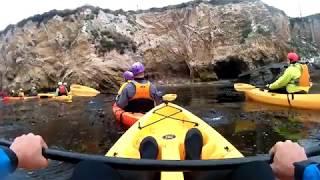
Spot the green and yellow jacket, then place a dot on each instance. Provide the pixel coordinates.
(290, 80)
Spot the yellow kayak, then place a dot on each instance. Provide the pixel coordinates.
(54, 97)
(79, 90)
(304, 101)
(168, 124)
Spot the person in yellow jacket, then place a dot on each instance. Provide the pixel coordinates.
(138, 95)
(295, 79)
(127, 76)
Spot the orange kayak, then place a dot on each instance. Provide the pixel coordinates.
(10, 98)
(125, 118)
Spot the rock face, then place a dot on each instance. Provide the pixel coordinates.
(210, 41)
(198, 41)
(306, 35)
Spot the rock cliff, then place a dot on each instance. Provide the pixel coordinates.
(195, 41)
(306, 35)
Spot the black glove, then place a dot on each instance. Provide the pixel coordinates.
(267, 87)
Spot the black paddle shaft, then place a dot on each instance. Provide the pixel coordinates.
(160, 165)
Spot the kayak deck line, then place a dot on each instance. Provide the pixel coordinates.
(167, 116)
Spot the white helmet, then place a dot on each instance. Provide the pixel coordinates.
(59, 83)
(65, 84)
(33, 87)
(20, 89)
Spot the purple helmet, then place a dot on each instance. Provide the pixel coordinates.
(137, 68)
(128, 75)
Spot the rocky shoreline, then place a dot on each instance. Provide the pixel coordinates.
(199, 41)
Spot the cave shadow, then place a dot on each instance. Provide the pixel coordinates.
(230, 68)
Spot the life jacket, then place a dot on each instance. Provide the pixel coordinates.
(62, 89)
(122, 87)
(142, 91)
(301, 83)
(304, 79)
(142, 101)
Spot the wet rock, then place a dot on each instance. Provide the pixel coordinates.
(263, 75)
(243, 115)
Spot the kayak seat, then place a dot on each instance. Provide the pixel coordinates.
(140, 105)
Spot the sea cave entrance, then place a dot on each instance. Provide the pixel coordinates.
(230, 68)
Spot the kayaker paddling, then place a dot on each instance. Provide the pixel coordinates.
(139, 95)
(66, 86)
(295, 79)
(21, 93)
(33, 91)
(61, 90)
(13, 93)
(301, 101)
(127, 76)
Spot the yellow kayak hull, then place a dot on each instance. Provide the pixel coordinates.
(79, 90)
(303, 101)
(52, 96)
(172, 121)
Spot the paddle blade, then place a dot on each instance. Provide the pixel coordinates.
(243, 87)
(45, 95)
(169, 97)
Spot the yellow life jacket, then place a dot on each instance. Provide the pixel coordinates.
(142, 91)
(122, 87)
